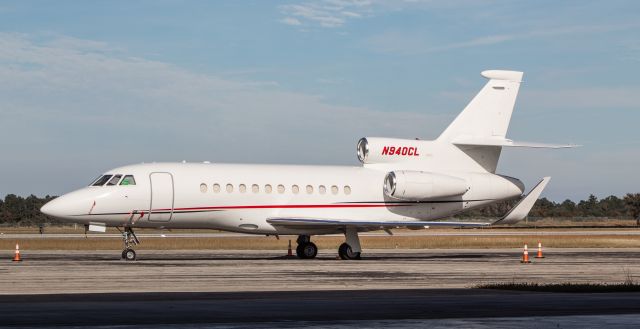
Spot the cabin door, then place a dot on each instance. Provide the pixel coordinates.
(162, 197)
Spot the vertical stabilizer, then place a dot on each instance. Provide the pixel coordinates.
(489, 113)
(487, 116)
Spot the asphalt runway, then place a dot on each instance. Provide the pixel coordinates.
(266, 288)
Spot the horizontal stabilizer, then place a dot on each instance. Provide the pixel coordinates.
(521, 210)
(326, 223)
(488, 141)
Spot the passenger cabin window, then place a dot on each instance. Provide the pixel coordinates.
(114, 180)
(267, 188)
(229, 188)
(309, 189)
(203, 188)
(128, 180)
(322, 189)
(280, 188)
(216, 188)
(295, 189)
(255, 188)
(347, 190)
(334, 190)
(102, 180)
(243, 188)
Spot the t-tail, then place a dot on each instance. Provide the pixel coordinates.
(480, 129)
(471, 143)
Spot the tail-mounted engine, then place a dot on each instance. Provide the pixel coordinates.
(420, 185)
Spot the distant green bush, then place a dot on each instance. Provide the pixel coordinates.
(18, 211)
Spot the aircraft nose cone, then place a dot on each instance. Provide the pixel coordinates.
(53, 208)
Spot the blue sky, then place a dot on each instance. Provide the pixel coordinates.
(90, 85)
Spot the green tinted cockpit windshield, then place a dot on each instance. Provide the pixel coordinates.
(128, 180)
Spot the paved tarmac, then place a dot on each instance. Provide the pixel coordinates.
(54, 272)
(235, 287)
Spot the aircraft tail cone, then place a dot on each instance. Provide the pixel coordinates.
(16, 258)
(539, 255)
(525, 255)
(289, 252)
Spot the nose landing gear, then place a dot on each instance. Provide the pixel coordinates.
(130, 239)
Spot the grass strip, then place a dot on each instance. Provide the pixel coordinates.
(329, 242)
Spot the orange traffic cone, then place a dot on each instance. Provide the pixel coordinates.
(16, 258)
(539, 255)
(525, 255)
(289, 253)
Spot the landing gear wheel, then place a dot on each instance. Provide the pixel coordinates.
(346, 253)
(129, 254)
(307, 250)
(124, 254)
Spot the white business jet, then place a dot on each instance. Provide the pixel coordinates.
(402, 183)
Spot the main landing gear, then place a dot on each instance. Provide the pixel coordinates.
(306, 249)
(351, 248)
(346, 252)
(130, 239)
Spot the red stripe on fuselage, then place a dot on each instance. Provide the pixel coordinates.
(288, 206)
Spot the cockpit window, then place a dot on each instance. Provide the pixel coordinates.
(114, 180)
(128, 180)
(95, 180)
(102, 180)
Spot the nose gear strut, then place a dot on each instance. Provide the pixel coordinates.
(130, 239)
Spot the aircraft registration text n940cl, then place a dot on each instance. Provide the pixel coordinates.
(400, 150)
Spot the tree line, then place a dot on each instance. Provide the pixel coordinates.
(20, 211)
(609, 207)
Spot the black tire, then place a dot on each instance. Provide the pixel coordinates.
(346, 253)
(310, 250)
(122, 256)
(299, 252)
(307, 250)
(130, 254)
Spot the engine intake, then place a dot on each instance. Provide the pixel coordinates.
(420, 185)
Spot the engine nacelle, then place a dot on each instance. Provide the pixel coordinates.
(420, 185)
(386, 150)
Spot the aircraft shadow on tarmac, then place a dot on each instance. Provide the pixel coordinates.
(379, 257)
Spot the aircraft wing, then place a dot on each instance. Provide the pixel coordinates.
(517, 213)
(299, 223)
